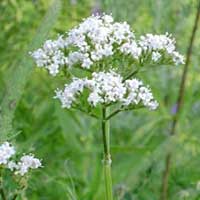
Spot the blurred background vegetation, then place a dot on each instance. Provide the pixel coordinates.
(69, 142)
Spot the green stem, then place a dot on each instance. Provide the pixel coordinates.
(107, 156)
(187, 62)
(165, 181)
(2, 193)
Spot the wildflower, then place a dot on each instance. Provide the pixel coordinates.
(27, 162)
(157, 42)
(156, 56)
(161, 44)
(178, 58)
(12, 165)
(139, 94)
(50, 56)
(6, 152)
(132, 49)
(71, 91)
(99, 37)
(106, 88)
(95, 45)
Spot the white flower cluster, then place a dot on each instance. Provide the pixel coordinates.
(138, 93)
(159, 44)
(68, 96)
(26, 163)
(6, 152)
(98, 37)
(106, 88)
(50, 55)
(22, 167)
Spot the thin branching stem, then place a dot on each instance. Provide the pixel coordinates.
(114, 113)
(131, 75)
(86, 112)
(141, 70)
(179, 103)
(85, 69)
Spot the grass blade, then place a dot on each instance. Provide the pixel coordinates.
(17, 77)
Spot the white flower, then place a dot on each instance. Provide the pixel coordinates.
(178, 58)
(92, 40)
(87, 63)
(156, 56)
(26, 163)
(137, 93)
(160, 45)
(74, 58)
(158, 42)
(153, 105)
(131, 48)
(93, 45)
(98, 37)
(122, 32)
(106, 88)
(6, 152)
(50, 56)
(12, 165)
(107, 19)
(94, 98)
(68, 96)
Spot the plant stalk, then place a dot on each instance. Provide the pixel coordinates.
(2, 193)
(107, 156)
(166, 173)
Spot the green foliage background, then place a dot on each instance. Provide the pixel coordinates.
(70, 142)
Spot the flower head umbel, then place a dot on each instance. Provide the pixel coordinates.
(109, 52)
(98, 39)
(160, 46)
(26, 162)
(15, 172)
(106, 88)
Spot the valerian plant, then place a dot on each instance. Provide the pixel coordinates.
(101, 57)
(15, 169)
